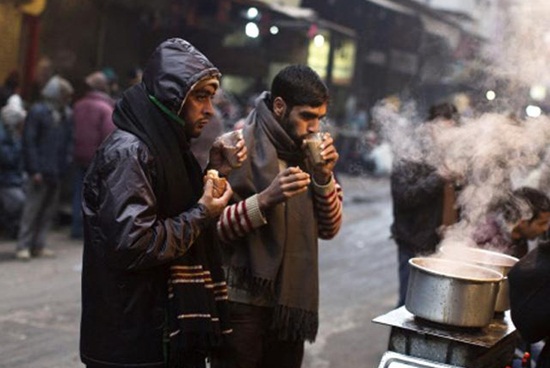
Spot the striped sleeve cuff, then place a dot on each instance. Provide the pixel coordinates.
(328, 207)
(324, 190)
(255, 215)
(240, 218)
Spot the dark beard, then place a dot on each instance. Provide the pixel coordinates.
(290, 129)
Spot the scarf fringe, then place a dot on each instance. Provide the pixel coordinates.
(295, 324)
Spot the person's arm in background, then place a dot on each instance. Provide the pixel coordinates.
(10, 155)
(106, 125)
(30, 141)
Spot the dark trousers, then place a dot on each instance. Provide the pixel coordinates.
(38, 215)
(253, 345)
(403, 256)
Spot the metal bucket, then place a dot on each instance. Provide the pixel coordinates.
(451, 292)
(499, 262)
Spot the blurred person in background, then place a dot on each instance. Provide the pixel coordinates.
(12, 195)
(445, 113)
(134, 76)
(513, 221)
(11, 87)
(112, 78)
(93, 122)
(424, 203)
(47, 140)
(284, 204)
(44, 70)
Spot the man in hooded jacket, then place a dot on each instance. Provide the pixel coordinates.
(153, 290)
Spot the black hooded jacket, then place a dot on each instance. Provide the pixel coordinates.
(140, 215)
(530, 297)
(417, 193)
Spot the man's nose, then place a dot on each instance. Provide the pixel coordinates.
(314, 126)
(208, 108)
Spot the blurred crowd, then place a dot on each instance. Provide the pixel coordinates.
(61, 124)
(47, 142)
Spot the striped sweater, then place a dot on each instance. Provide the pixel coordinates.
(241, 218)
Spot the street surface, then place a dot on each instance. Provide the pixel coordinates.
(40, 299)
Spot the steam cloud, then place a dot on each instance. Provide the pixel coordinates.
(494, 155)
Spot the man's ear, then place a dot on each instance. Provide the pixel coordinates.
(279, 107)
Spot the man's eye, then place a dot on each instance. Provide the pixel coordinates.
(203, 97)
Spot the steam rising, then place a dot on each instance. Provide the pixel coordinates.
(521, 47)
(490, 155)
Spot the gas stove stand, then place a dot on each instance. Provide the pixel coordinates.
(492, 346)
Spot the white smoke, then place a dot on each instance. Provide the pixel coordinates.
(520, 50)
(490, 155)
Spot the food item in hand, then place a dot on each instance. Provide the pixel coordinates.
(219, 184)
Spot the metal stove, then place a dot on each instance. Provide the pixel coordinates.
(415, 342)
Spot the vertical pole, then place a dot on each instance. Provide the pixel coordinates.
(32, 25)
(332, 45)
(101, 34)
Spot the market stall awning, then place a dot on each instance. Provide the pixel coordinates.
(388, 4)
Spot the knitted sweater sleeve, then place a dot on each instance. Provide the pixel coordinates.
(328, 207)
(241, 218)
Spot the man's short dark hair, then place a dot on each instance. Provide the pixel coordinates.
(299, 85)
(535, 199)
(507, 207)
(443, 110)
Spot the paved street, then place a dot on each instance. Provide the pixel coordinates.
(40, 300)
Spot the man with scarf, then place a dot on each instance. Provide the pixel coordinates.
(283, 204)
(153, 289)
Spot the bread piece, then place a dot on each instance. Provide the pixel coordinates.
(219, 184)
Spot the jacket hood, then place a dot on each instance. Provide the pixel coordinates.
(172, 70)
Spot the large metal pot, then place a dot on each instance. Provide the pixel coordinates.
(451, 292)
(496, 261)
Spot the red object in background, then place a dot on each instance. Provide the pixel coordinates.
(32, 28)
(312, 31)
(526, 361)
(224, 10)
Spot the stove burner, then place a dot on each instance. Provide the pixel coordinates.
(441, 326)
(486, 336)
(391, 359)
(492, 346)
